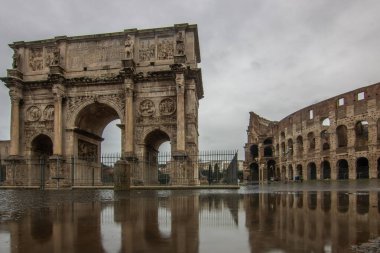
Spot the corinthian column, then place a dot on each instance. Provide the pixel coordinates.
(129, 119)
(58, 91)
(180, 85)
(15, 94)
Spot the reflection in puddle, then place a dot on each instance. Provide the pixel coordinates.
(189, 221)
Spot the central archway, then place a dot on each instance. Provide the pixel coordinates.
(92, 167)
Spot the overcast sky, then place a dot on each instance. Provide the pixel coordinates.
(270, 57)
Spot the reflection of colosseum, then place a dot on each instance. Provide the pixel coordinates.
(338, 138)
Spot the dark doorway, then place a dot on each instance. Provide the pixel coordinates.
(312, 171)
(362, 168)
(254, 169)
(326, 170)
(342, 169)
(271, 164)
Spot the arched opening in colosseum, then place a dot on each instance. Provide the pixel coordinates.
(282, 135)
(378, 168)
(277, 150)
(290, 148)
(254, 171)
(254, 149)
(299, 171)
(341, 134)
(325, 140)
(343, 202)
(362, 168)
(42, 147)
(268, 151)
(311, 140)
(300, 145)
(283, 151)
(278, 173)
(342, 166)
(290, 172)
(326, 122)
(283, 172)
(311, 171)
(268, 141)
(326, 170)
(271, 165)
(361, 134)
(362, 203)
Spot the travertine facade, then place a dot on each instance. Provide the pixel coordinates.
(64, 92)
(338, 138)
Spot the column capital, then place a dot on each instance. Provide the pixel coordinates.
(58, 90)
(15, 94)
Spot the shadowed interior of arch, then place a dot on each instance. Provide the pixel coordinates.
(42, 145)
(94, 118)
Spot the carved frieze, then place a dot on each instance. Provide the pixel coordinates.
(147, 49)
(36, 59)
(52, 56)
(169, 119)
(165, 48)
(147, 108)
(48, 113)
(33, 113)
(87, 149)
(75, 102)
(167, 106)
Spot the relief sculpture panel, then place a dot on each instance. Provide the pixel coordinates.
(48, 113)
(165, 48)
(36, 59)
(167, 106)
(87, 149)
(147, 49)
(33, 113)
(146, 108)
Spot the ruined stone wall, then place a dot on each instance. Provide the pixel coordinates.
(333, 139)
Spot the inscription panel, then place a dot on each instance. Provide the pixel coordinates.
(95, 53)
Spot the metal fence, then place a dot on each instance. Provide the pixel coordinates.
(207, 167)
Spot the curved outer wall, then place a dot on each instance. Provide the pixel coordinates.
(338, 138)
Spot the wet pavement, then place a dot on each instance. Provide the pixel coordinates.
(294, 217)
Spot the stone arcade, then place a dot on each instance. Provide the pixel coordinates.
(64, 92)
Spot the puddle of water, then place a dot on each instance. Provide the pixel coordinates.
(316, 217)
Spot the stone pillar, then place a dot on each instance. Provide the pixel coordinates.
(122, 175)
(180, 85)
(16, 95)
(58, 91)
(129, 119)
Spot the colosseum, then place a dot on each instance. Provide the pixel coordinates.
(338, 138)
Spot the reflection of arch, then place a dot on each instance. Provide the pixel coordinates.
(343, 202)
(326, 201)
(312, 200)
(254, 169)
(362, 202)
(326, 170)
(311, 171)
(283, 172)
(341, 134)
(362, 168)
(41, 225)
(342, 166)
(42, 146)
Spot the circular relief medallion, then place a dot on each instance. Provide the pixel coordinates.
(167, 106)
(48, 113)
(33, 113)
(146, 107)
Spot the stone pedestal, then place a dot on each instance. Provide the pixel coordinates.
(15, 171)
(122, 175)
(58, 176)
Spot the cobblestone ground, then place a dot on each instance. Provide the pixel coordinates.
(372, 246)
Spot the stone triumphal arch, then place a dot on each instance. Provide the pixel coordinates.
(64, 91)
